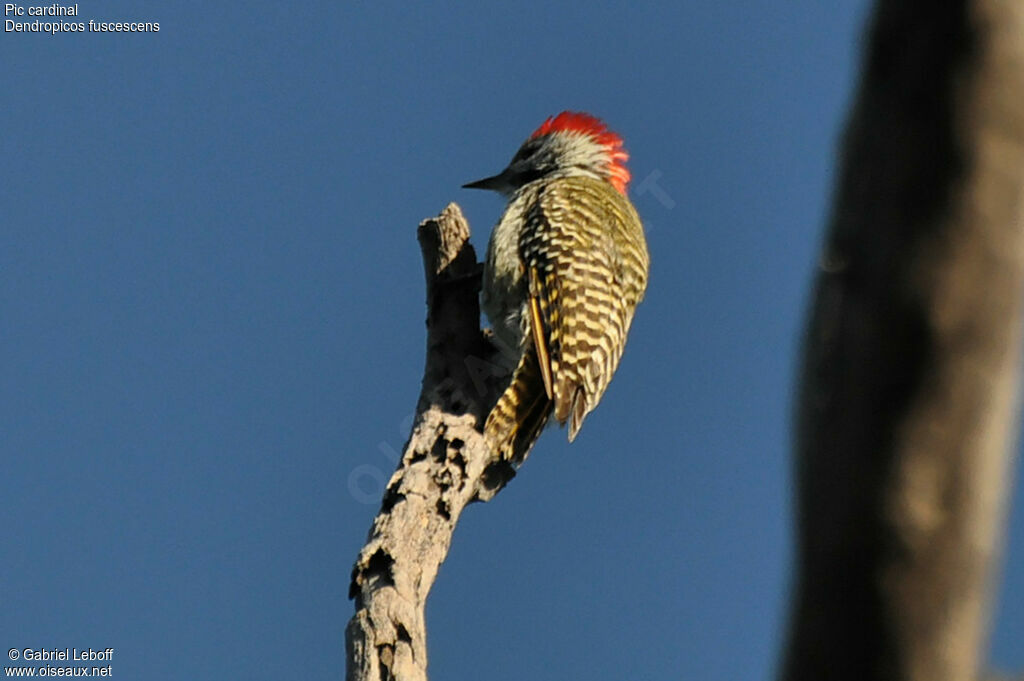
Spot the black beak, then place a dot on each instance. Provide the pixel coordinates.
(495, 183)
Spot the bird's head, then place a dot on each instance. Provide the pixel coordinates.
(569, 144)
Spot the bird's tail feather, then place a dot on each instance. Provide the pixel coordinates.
(522, 411)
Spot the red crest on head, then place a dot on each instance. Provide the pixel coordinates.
(584, 123)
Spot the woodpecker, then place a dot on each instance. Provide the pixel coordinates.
(566, 266)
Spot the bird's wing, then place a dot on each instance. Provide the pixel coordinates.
(586, 276)
(539, 329)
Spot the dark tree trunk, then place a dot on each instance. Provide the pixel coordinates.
(908, 402)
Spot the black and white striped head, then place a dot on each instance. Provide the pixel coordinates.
(569, 144)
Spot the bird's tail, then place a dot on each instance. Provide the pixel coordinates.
(521, 413)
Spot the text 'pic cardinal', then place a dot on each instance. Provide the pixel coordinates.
(566, 267)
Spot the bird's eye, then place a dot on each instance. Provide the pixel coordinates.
(526, 151)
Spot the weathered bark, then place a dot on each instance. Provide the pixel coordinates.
(908, 400)
(445, 466)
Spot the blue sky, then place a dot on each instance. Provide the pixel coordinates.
(213, 335)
